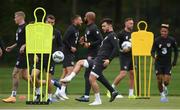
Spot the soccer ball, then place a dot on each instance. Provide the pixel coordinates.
(58, 56)
(126, 46)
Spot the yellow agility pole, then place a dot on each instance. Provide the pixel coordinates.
(39, 37)
(142, 42)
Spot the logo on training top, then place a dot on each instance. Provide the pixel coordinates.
(164, 51)
(125, 67)
(88, 32)
(72, 63)
(76, 40)
(52, 68)
(97, 32)
(127, 37)
(168, 44)
(17, 63)
(16, 36)
(19, 30)
(160, 45)
(77, 34)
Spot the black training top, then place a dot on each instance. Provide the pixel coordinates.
(1, 45)
(20, 35)
(71, 37)
(109, 47)
(57, 41)
(94, 36)
(162, 50)
(124, 36)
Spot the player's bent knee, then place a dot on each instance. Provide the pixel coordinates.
(94, 75)
(166, 83)
(85, 63)
(16, 71)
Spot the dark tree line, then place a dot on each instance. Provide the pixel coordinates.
(154, 12)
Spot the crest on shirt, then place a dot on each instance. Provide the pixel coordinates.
(127, 37)
(168, 44)
(16, 36)
(160, 45)
(76, 34)
(88, 32)
(52, 68)
(97, 32)
(72, 63)
(19, 30)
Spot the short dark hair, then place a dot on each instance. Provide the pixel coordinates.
(75, 17)
(107, 20)
(50, 16)
(127, 19)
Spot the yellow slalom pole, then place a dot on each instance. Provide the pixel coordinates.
(134, 72)
(47, 76)
(150, 73)
(34, 73)
(41, 75)
(144, 76)
(139, 75)
(27, 58)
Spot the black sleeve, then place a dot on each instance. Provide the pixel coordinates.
(1, 46)
(59, 41)
(154, 48)
(99, 38)
(66, 38)
(114, 42)
(120, 37)
(75, 40)
(175, 47)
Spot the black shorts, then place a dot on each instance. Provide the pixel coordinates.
(69, 59)
(90, 63)
(45, 65)
(126, 62)
(21, 61)
(163, 69)
(98, 67)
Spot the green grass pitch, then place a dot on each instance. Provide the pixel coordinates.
(76, 88)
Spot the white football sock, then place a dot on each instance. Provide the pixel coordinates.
(57, 90)
(113, 85)
(162, 94)
(131, 92)
(72, 75)
(13, 94)
(50, 96)
(97, 97)
(38, 91)
(63, 89)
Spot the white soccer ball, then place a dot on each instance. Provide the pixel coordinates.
(58, 56)
(126, 46)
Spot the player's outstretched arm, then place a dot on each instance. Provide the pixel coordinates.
(10, 48)
(1, 52)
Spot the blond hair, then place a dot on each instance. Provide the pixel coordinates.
(20, 13)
